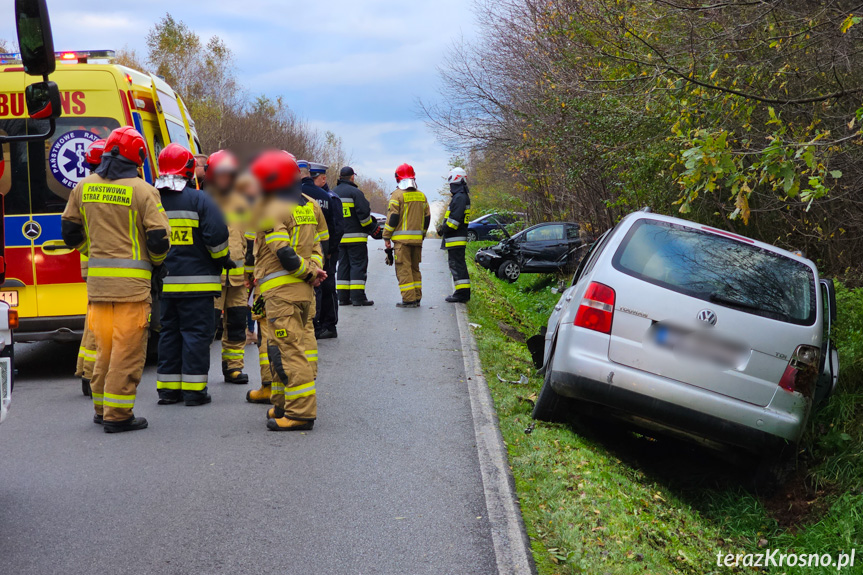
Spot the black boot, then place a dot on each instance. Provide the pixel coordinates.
(458, 298)
(97, 419)
(169, 398)
(131, 424)
(407, 304)
(329, 333)
(198, 399)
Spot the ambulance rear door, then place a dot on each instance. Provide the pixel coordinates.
(19, 289)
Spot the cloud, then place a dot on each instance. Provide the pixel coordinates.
(376, 149)
(353, 67)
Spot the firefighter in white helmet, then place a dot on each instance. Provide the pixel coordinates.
(453, 231)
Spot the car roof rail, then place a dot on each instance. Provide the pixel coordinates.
(647, 209)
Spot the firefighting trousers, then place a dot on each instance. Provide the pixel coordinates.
(234, 304)
(86, 353)
(410, 279)
(353, 272)
(293, 387)
(327, 309)
(184, 347)
(120, 331)
(458, 269)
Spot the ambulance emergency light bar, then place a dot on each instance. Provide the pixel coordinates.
(69, 57)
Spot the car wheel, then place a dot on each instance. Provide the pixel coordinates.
(509, 271)
(550, 405)
(471, 236)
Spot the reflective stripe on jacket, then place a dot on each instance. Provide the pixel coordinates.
(408, 217)
(125, 234)
(292, 228)
(199, 240)
(456, 218)
(357, 212)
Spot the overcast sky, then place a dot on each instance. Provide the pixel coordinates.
(355, 67)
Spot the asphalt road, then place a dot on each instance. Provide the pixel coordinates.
(387, 482)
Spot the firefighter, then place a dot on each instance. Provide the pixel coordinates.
(327, 305)
(87, 351)
(288, 266)
(232, 306)
(116, 219)
(453, 232)
(353, 248)
(408, 219)
(199, 253)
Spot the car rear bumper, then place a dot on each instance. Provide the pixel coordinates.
(659, 402)
(60, 329)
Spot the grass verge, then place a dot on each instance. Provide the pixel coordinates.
(598, 501)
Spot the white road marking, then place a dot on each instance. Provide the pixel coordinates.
(509, 537)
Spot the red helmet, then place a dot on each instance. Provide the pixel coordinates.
(275, 170)
(93, 155)
(127, 142)
(175, 160)
(405, 171)
(221, 162)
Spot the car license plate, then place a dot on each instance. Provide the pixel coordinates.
(10, 297)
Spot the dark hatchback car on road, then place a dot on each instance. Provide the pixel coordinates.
(483, 227)
(543, 248)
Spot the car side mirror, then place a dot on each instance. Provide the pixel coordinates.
(34, 37)
(43, 100)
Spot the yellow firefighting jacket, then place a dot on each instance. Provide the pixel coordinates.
(408, 217)
(236, 211)
(288, 247)
(126, 233)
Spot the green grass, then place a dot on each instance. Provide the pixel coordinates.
(598, 501)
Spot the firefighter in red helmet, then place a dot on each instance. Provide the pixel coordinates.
(117, 220)
(408, 219)
(199, 238)
(232, 306)
(289, 249)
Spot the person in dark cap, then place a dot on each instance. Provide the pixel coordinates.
(327, 306)
(353, 251)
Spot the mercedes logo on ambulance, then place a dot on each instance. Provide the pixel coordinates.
(32, 230)
(707, 316)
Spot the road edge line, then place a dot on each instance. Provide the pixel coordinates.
(509, 536)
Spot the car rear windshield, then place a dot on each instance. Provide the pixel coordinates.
(719, 270)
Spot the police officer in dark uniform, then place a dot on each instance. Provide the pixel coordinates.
(314, 185)
(353, 250)
(199, 253)
(453, 231)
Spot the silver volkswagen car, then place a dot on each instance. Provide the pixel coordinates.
(687, 330)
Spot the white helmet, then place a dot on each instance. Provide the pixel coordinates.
(456, 176)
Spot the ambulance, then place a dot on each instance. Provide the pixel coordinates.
(43, 280)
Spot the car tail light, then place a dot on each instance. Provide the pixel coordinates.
(13, 319)
(597, 308)
(801, 374)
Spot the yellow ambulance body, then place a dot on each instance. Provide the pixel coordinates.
(43, 278)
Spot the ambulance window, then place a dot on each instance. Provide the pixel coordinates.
(49, 170)
(199, 146)
(178, 135)
(169, 104)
